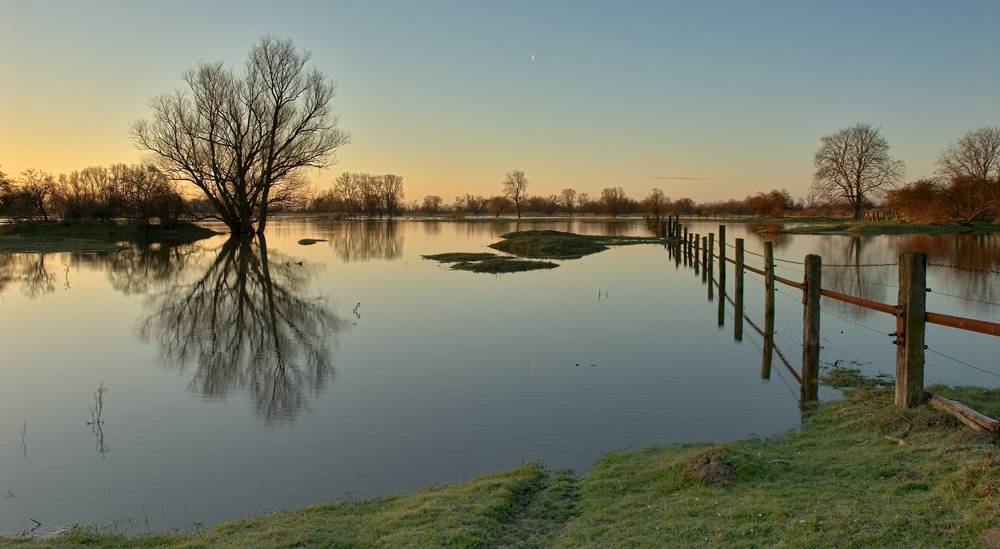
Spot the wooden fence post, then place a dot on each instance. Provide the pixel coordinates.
(910, 327)
(710, 252)
(765, 368)
(769, 278)
(738, 314)
(810, 327)
(722, 275)
(704, 258)
(696, 252)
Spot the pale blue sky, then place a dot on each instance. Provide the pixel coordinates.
(707, 100)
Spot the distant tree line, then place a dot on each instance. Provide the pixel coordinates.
(966, 187)
(135, 193)
(355, 194)
(854, 174)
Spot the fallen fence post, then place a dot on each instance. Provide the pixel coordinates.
(910, 328)
(968, 416)
(810, 327)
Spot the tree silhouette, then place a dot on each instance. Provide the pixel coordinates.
(244, 325)
(244, 139)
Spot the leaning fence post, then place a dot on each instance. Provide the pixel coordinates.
(810, 327)
(910, 326)
(738, 314)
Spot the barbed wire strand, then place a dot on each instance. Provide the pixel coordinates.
(963, 363)
(969, 269)
(840, 265)
(966, 298)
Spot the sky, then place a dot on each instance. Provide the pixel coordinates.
(705, 100)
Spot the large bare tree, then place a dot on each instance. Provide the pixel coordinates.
(243, 138)
(515, 187)
(974, 155)
(853, 166)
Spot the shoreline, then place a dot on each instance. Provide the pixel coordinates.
(843, 478)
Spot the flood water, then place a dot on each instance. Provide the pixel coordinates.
(178, 387)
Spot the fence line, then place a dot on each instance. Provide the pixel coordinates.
(910, 312)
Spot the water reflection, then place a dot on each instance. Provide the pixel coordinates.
(362, 240)
(245, 325)
(32, 272)
(144, 266)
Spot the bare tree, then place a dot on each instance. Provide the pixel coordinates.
(6, 190)
(392, 192)
(371, 198)
(515, 187)
(31, 194)
(613, 199)
(432, 203)
(473, 204)
(976, 154)
(239, 138)
(586, 205)
(853, 166)
(499, 204)
(656, 203)
(923, 200)
(346, 186)
(971, 198)
(568, 199)
(772, 204)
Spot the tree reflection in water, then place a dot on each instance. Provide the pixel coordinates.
(245, 325)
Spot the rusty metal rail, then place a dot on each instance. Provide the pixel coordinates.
(961, 323)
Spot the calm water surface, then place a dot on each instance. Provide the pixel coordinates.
(248, 376)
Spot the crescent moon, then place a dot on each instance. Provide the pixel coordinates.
(532, 57)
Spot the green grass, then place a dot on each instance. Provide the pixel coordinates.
(838, 482)
(562, 245)
(503, 265)
(90, 236)
(876, 228)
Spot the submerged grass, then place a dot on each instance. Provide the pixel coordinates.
(503, 265)
(836, 483)
(460, 257)
(562, 245)
(485, 262)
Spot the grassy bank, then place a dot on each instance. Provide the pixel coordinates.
(876, 228)
(839, 482)
(90, 236)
